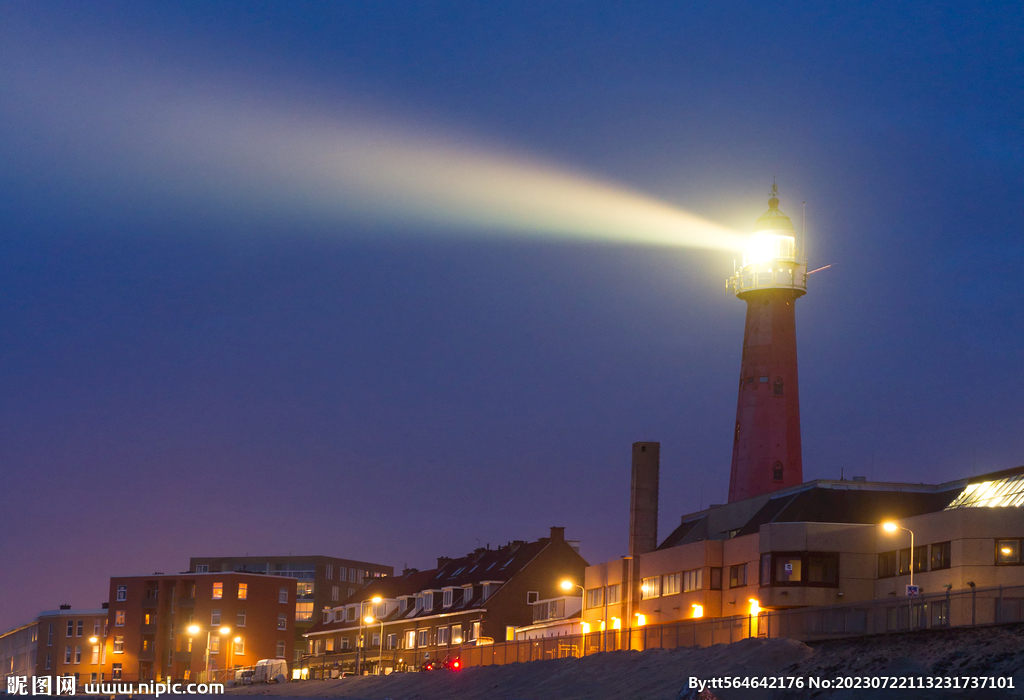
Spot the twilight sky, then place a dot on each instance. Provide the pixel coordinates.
(395, 280)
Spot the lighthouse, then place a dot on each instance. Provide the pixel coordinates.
(766, 454)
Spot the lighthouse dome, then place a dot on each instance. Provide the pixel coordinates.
(773, 219)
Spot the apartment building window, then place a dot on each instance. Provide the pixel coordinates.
(693, 579)
(304, 590)
(202, 568)
(341, 574)
(282, 595)
(1008, 552)
(737, 575)
(489, 589)
(279, 652)
(67, 655)
(467, 595)
(650, 587)
(887, 564)
(614, 593)
(344, 643)
(71, 628)
(95, 654)
(359, 576)
(329, 644)
(96, 627)
(215, 616)
(243, 591)
(410, 639)
(115, 672)
(335, 593)
(474, 631)
(49, 636)
(282, 622)
(304, 610)
(122, 593)
(595, 597)
(423, 638)
(215, 644)
(239, 646)
(442, 635)
(81, 624)
(78, 654)
(329, 574)
(351, 592)
(392, 640)
(118, 619)
(240, 618)
(672, 584)
(447, 596)
(218, 590)
(375, 640)
(716, 578)
(118, 645)
(49, 662)
(802, 569)
(940, 556)
(352, 575)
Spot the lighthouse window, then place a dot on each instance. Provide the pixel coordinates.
(777, 388)
(777, 471)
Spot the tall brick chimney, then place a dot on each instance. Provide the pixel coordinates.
(643, 498)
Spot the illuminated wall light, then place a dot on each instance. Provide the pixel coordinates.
(698, 610)
(755, 606)
(616, 623)
(585, 626)
(641, 620)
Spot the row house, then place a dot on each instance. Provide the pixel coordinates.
(197, 626)
(423, 617)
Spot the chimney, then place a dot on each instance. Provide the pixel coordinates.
(442, 562)
(65, 607)
(106, 606)
(558, 534)
(643, 498)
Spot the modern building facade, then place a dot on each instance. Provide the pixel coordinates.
(817, 544)
(766, 453)
(195, 626)
(323, 582)
(477, 599)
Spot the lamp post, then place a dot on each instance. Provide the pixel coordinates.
(567, 586)
(893, 527)
(99, 673)
(359, 639)
(193, 630)
(369, 620)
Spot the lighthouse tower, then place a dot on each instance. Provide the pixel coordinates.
(766, 453)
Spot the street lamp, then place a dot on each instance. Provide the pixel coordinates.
(359, 655)
(567, 586)
(891, 527)
(99, 673)
(380, 660)
(193, 630)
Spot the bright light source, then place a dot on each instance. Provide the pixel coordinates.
(1004, 550)
(225, 631)
(890, 527)
(458, 640)
(643, 588)
(764, 247)
(698, 610)
(567, 585)
(238, 639)
(368, 620)
(193, 629)
(585, 627)
(755, 606)
(376, 599)
(641, 620)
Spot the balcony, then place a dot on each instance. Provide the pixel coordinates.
(147, 655)
(148, 603)
(186, 602)
(183, 657)
(148, 629)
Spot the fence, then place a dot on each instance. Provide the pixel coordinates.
(966, 608)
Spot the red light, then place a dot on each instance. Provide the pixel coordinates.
(455, 664)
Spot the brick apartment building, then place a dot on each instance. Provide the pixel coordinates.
(150, 616)
(323, 582)
(61, 642)
(476, 599)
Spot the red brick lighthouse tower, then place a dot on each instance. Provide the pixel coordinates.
(766, 452)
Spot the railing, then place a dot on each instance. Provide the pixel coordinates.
(965, 608)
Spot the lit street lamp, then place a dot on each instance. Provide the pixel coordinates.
(380, 661)
(893, 527)
(567, 586)
(359, 640)
(193, 630)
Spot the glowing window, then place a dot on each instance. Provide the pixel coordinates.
(992, 494)
(304, 610)
(243, 591)
(1007, 551)
(650, 587)
(218, 590)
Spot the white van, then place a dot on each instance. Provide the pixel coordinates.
(269, 669)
